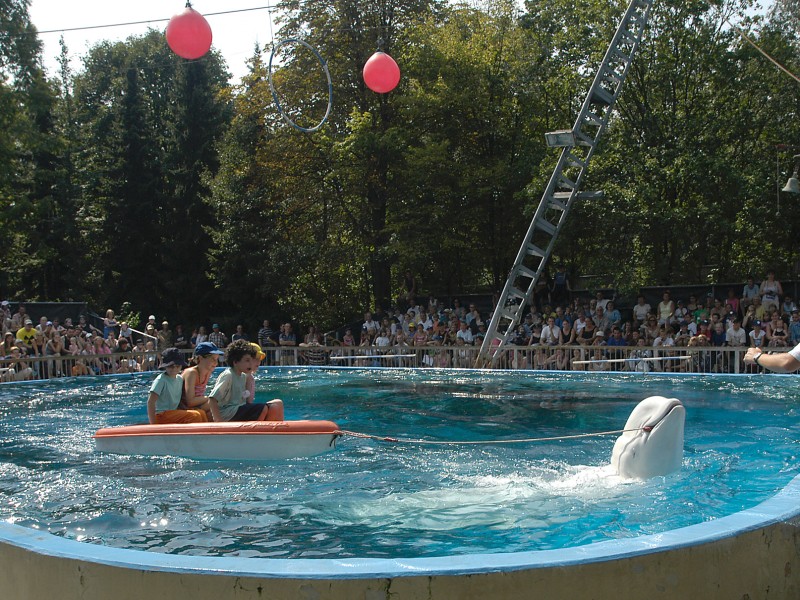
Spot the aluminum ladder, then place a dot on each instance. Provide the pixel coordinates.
(578, 145)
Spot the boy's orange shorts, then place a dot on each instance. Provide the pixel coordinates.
(181, 416)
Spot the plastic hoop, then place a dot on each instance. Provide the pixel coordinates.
(275, 94)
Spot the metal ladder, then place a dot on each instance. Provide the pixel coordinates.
(562, 191)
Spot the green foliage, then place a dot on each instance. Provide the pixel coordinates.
(145, 179)
(147, 122)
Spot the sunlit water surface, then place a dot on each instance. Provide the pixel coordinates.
(378, 499)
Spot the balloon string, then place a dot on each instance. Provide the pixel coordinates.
(379, 438)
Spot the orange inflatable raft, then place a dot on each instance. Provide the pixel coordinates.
(240, 440)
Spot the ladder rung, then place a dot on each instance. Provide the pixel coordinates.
(516, 293)
(622, 55)
(562, 195)
(575, 161)
(602, 96)
(612, 76)
(583, 139)
(596, 119)
(509, 312)
(534, 250)
(563, 181)
(524, 271)
(637, 18)
(546, 226)
(557, 204)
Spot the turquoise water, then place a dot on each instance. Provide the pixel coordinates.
(377, 499)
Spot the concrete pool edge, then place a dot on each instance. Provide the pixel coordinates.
(783, 507)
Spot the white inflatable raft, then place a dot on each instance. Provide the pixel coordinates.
(241, 440)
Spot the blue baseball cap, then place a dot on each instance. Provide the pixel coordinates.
(206, 348)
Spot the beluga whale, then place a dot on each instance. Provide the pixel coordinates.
(652, 444)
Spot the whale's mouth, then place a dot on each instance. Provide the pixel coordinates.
(655, 420)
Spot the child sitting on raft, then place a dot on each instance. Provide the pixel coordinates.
(195, 379)
(165, 393)
(230, 395)
(275, 406)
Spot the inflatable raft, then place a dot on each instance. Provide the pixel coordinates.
(241, 440)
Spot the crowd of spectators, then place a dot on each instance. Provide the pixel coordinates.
(50, 348)
(761, 314)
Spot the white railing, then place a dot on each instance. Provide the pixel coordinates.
(639, 359)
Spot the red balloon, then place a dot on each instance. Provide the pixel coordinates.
(381, 73)
(189, 34)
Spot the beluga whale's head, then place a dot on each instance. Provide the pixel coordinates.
(654, 444)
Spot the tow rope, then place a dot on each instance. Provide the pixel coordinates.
(395, 440)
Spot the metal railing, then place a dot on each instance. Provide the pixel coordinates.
(642, 359)
(637, 359)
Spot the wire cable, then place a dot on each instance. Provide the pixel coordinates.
(160, 20)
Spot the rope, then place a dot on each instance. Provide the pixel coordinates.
(767, 56)
(379, 438)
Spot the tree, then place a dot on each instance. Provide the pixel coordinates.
(34, 223)
(677, 165)
(148, 122)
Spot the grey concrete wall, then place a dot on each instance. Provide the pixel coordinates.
(759, 564)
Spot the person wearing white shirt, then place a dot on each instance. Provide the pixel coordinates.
(640, 310)
(551, 333)
(736, 335)
(464, 333)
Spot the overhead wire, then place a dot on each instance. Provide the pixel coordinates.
(269, 7)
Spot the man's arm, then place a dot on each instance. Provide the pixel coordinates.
(781, 362)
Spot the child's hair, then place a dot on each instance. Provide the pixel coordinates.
(237, 350)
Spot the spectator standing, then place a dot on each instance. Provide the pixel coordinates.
(287, 339)
(109, 323)
(771, 291)
(749, 291)
(369, 327)
(200, 337)
(410, 286)
(240, 334)
(561, 290)
(19, 318)
(266, 335)
(5, 316)
(164, 336)
(640, 311)
(216, 337)
(181, 339)
(666, 309)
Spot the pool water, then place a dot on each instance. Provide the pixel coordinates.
(378, 499)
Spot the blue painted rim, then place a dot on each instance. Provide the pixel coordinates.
(782, 507)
